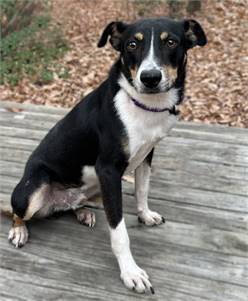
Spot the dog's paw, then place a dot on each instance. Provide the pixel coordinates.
(18, 236)
(150, 218)
(86, 217)
(137, 280)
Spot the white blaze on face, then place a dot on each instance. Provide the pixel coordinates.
(149, 63)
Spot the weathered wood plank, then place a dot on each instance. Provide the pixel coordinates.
(196, 131)
(170, 263)
(22, 144)
(218, 133)
(8, 183)
(173, 211)
(230, 171)
(7, 154)
(202, 236)
(188, 145)
(191, 214)
(166, 157)
(171, 181)
(198, 174)
(198, 197)
(199, 182)
(8, 131)
(170, 147)
(40, 288)
(173, 207)
(221, 153)
(11, 168)
(184, 129)
(184, 195)
(30, 116)
(26, 123)
(177, 209)
(33, 108)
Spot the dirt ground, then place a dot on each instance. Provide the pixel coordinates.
(217, 81)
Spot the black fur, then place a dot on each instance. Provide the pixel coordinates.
(92, 133)
(149, 157)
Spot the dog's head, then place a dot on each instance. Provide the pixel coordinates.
(153, 51)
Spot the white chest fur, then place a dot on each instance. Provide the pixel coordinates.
(144, 129)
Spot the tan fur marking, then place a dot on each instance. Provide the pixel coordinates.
(133, 72)
(163, 35)
(17, 221)
(139, 36)
(36, 201)
(171, 72)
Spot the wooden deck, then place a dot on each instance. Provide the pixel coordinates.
(199, 182)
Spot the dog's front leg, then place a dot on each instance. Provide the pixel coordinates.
(142, 181)
(131, 274)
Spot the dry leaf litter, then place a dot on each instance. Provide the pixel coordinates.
(217, 81)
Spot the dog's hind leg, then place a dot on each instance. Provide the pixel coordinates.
(85, 217)
(93, 199)
(91, 190)
(40, 202)
(27, 199)
(18, 234)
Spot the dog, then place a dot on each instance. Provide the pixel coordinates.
(111, 132)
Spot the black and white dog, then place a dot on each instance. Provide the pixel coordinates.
(112, 131)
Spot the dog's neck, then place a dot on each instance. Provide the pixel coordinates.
(142, 106)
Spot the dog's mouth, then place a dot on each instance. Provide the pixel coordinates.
(165, 85)
(164, 88)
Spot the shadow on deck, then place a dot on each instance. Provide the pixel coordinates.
(199, 182)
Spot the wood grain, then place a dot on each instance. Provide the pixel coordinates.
(199, 182)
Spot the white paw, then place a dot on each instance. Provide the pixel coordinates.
(137, 279)
(150, 218)
(18, 236)
(86, 217)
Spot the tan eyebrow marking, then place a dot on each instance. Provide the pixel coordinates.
(139, 36)
(163, 35)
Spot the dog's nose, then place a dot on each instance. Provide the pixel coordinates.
(151, 78)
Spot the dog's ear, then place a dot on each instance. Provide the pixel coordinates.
(194, 34)
(114, 30)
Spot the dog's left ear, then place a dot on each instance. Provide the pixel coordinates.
(114, 30)
(194, 34)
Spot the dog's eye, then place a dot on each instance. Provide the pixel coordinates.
(131, 45)
(171, 43)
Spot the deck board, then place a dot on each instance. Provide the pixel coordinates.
(199, 182)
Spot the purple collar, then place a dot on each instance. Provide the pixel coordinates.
(155, 110)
